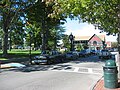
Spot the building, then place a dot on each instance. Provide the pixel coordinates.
(95, 42)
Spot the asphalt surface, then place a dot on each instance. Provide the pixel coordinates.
(80, 74)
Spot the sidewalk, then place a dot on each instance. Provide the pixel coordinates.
(100, 85)
(11, 63)
(3, 66)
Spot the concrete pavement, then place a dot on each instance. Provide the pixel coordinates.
(11, 65)
(86, 77)
(46, 80)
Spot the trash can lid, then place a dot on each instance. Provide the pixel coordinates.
(110, 63)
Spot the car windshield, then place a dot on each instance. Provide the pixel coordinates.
(104, 50)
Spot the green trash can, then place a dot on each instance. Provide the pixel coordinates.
(110, 74)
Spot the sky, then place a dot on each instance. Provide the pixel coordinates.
(84, 29)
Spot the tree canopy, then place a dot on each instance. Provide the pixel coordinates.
(10, 11)
(103, 14)
(46, 15)
(16, 14)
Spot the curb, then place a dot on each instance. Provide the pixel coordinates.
(11, 65)
(5, 66)
(94, 85)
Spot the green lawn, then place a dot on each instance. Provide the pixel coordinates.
(3, 59)
(18, 53)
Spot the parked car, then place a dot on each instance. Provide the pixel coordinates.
(71, 55)
(88, 51)
(76, 52)
(105, 54)
(94, 52)
(48, 57)
(83, 53)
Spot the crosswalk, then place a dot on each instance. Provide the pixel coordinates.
(67, 67)
(77, 70)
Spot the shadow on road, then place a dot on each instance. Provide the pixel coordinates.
(60, 66)
(32, 68)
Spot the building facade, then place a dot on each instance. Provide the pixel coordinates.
(95, 42)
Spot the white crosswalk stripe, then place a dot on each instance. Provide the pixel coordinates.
(78, 70)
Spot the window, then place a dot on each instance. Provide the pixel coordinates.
(94, 42)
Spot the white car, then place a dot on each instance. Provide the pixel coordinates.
(105, 54)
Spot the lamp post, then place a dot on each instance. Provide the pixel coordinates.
(71, 37)
(104, 45)
(30, 59)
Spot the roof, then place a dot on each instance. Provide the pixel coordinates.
(102, 37)
(82, 37)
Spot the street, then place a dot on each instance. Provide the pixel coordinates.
(81, 74)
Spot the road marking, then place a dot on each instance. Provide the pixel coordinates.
(76, 69)
(77, 72)
(90, 70)
(83, 70)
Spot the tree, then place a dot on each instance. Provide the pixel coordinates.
(17, 33)
(104, 15)
(79, 47)
(50, 27)
(56, 34)
(66, 41)
(114, 44)
(35, 33)
(1, 35)
(9, 12)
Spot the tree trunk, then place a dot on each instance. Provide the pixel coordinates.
(47, 35)
(5, 36)
(44, 29)
(43, 35)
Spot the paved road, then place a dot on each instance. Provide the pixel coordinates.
(80, 74)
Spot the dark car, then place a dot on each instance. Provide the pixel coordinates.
(48, 57)
(71, 55)
(83, 53)
(94, 52)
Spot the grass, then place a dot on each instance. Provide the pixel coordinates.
(3, 59)
(18, 53)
